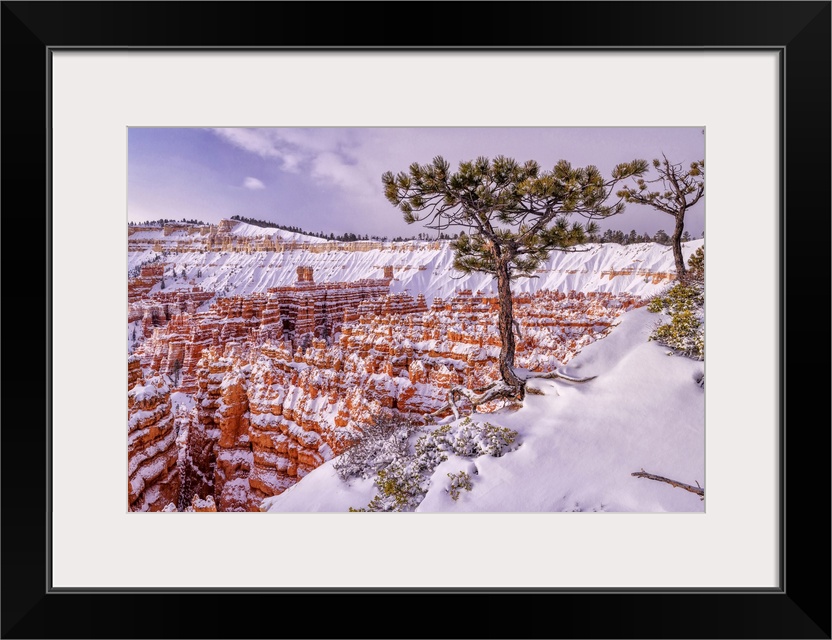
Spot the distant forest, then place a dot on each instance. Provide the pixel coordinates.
(344, 237)
(619, 237)
(609, 236)
(163, 221)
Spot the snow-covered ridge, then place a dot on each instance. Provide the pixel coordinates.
(426, 267)
(178, 231)
(245, 230)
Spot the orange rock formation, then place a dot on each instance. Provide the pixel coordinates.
(282, 381)
(153, 477)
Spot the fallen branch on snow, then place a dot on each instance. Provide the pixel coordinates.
(697, 489)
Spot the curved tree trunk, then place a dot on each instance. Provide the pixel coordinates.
(677, 245)
(505, 323)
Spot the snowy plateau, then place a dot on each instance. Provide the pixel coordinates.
(271, 371)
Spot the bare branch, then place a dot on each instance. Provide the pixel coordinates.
(680, 485)
(517, 328)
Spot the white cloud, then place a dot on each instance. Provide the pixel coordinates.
(253, 183)
(292, 148)
(328, 156)
(265, 143)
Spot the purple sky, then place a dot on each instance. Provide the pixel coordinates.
(329, 179)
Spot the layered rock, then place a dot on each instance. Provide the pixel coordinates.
(156, 309)
(655, 277)
(140, 286)
(153, 477)
(269, 411)
(174, 343)
(224, 237)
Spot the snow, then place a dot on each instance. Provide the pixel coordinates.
(185, 400)
(245, 230)
(240, 229)
(578, 443)
(153, 389)
(323, 491)
(418, 267)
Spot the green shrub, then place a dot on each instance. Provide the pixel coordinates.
(380, 442)
(696, 265)
(401, 487)
(402, 484)
(469, 439)
(682, 307)
(459, 481)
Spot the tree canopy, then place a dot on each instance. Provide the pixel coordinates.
(513, 215)
(517, 213)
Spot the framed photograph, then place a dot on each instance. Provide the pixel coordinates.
(194, 163)
(323, 369)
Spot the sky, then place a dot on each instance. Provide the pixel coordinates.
(329, 179)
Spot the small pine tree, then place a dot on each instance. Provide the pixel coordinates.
(696, 265)
(680, 190)
(177, 368)
(683, 307)
(163, 283)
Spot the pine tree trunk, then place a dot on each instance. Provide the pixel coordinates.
(506, 325)
(677, 245)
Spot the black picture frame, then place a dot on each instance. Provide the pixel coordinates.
(798, 608)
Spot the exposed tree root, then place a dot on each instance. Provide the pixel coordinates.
(493, 391)
(697, 489)
(558, 375)
(498, 390)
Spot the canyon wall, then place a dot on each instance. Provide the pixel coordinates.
(263, 356)
(152, 456)
(242, 259)
(271, 404)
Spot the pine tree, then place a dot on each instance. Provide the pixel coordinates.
(175, 371)
(661, 237)
(680, 190)
(514, 215)
(696, 265)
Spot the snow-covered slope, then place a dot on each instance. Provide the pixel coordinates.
(640, 269)
(245, 230)
(182, 231)
(579, 443)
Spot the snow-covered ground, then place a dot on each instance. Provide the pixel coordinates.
(245, 230)
(578, 443)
